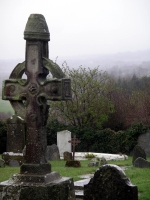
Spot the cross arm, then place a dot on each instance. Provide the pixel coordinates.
(56, 90)
(13, 89)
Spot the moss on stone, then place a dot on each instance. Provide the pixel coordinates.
(73, 163)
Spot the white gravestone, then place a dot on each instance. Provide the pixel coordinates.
(62, 141)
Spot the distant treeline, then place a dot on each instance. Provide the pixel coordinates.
(127, 70)
(131, 100)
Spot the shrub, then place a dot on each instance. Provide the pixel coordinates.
(90, 155)
(3, 136)
(52, 128)
(109, 141)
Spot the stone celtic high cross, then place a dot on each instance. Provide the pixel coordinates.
(29, 96)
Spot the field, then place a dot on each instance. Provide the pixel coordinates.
(5, 106)
(138, 177)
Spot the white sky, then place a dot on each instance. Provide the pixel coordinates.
(77, 27)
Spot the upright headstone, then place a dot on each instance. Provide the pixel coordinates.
(15, 134)
(138, 152)
(15, 139)
(103, 161)
(2, 163)
(62, 141)
(52, 152)
(144, 142)
(13, 163)
(110, 182)
(35, 177)
(141, 163)
(67, 156)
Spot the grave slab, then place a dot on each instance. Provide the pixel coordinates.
(81, 156)
(7, 156)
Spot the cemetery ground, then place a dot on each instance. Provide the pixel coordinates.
(138, 176)
(5, 106)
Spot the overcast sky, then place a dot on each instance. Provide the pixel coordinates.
(77, 27)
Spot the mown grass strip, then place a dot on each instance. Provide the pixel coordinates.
(137, 176)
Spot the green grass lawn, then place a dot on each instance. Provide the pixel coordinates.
(137, 176)
(5, 106)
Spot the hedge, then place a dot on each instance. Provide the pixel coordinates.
(104, 141)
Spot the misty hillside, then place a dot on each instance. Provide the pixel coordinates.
(120, 64)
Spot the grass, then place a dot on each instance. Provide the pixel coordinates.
(59, 166)
(139, 177)
(5, 106)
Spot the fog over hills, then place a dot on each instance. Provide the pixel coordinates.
(107, 61)
(119, 64)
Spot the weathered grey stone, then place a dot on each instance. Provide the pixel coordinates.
(2, 163)
(15, 134)
(13, 163)
(67, 156)
(7, 156)
(144, 142)
(103, 161)
(62, 189)
(52, 152)
(36, 89)
(138, 152)
(73, 163)
(141, 163)
(110, 182)
(93, 164)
